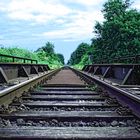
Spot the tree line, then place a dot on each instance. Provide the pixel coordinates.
(117, 36)
(44, 55)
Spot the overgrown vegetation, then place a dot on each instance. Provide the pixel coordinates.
(44, 55)
(47, 55)
(80, 56)
(117, 36)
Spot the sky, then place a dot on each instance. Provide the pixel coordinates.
(30, 24)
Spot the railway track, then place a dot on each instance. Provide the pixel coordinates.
(68, 106)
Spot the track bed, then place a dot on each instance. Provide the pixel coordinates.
(66, 107)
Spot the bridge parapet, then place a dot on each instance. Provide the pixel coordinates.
(11, 71)
(123, 74)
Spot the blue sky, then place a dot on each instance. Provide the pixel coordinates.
(66, 23)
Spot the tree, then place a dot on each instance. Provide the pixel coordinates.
(115, 8)
(48, 48)
(47, 55)
(61, 58)
(119, 35)
(77, 55)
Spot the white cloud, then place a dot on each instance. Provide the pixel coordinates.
(21, 16)
(38, 6)
(71, 23)
(80, 26)
(136, 4)
(2, 6)
(36, 10)
(67, 34)
(86, 2)
(1, 37)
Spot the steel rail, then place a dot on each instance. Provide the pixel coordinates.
(124, 97)
(8, 94)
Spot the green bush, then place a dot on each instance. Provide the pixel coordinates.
(40, 55)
